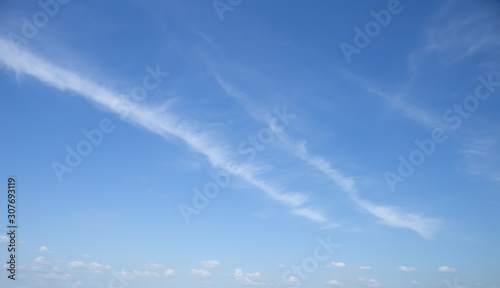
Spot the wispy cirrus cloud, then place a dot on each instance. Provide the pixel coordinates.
(389, 215)
(481, 157)
(398, 101)
(468, 32)
(310, 214)
(156, 120)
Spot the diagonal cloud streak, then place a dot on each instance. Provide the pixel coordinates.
(156, 120)
(388, 215)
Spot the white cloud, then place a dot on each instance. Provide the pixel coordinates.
(39, 264)
(334, 283)
(472, 30)
(397, 101)
(210, 264)
(311, 214)
(446, 269)
(481, 157)
(291, 281)
(86, 256)
(252, 279)
(365, 268)
(200, 273)
(389, 215)
(77, 264)
(406, 269)
(4, 239)
(157, 120)
(77, 284)
(169, 273)
(336, 264)
(282, 266)
(415, 282)
(97, 266)
(154, 266)
(392, 216)
(369, 283)
(44, 249)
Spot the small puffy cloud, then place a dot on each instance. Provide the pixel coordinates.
(77, 264)
(415, 282)
(282, 266)
(209, 264)
(41, 261)
(86, 256)
(97, 266)
(336, 264)
(406, 269)
(373, 283)
(365, 268)
(145, 274)
(200, 273)
(154, 266)
(39, 264)
(446, 269)
(369, 283)
(334, 283)
(291, 281)
(253, 279)
(169, 273)
(44, 249)
(4, 239)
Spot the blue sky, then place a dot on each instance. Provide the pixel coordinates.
(252, 143)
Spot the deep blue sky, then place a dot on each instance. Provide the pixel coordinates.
(289, 137)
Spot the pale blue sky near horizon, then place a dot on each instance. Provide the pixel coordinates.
(311, 134)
